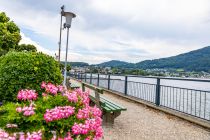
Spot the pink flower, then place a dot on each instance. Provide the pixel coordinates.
(27, 111)
(72, 97)
(83, 113)
(50, 88)
(96, 111)
(19, 109)
(60, 88)
(99, 133)
(43, 85)
(58, 113)
(44, 94)
(27, 95)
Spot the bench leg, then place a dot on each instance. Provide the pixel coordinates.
(108, 117)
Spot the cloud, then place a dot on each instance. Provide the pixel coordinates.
(105, 30)
(27, 40)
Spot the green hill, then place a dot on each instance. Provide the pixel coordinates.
(116, 63)
(76, 64)
(197, 60)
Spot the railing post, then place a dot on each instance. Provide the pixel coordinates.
(157, 99)
(91, 78)
(78, 76)
(85, 77)
(109, 82)
(126, 85)
(81, 77)
(98, 80)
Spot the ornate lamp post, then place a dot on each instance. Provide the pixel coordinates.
(67, 25)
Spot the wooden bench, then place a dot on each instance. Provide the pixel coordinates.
(74, 86)
(71, 86)
(110, 109)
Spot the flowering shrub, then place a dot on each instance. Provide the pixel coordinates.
(52, 114)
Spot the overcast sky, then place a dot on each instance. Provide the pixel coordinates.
(127, 30)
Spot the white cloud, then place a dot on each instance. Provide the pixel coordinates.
(27, 40)
(144, 29)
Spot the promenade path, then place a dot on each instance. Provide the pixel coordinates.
(143, 123)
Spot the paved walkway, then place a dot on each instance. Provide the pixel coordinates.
(142, 123)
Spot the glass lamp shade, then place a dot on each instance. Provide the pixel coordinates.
(69, 17)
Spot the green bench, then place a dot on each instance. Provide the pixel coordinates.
(74, 86)
(71, 86)
(110, 109)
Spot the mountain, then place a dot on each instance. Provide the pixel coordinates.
(197, 60)
(116, 63)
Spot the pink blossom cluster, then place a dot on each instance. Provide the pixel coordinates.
(21, 136)
(60, 88)
(5, 136)
(72, 97)
(83, 113)
(67, 137)
(27, 111)
(31, 136)
(89, 112)
(84, 96)
(95, 111)
(58, 113)
(27, 95)
(50, 88)
(90, 125)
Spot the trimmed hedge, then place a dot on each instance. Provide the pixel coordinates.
(21, 70)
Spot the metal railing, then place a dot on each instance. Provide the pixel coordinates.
(189, 96)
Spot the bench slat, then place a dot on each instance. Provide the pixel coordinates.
(111, 106)
(105, 105)
(114, 104)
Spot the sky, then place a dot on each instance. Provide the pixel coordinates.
(104, 30)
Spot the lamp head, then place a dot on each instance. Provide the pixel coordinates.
(69, 16)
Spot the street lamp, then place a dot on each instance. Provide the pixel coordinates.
(67, 25)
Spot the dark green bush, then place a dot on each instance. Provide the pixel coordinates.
(21, 70)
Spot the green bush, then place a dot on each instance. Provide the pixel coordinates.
(20, 70)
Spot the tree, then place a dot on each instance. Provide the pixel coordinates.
(25, 47)
(62, 66)
(9, 34)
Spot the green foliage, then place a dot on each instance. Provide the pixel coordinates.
(9, 34)
(62, 66)
(25, 47)
(20, 70)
